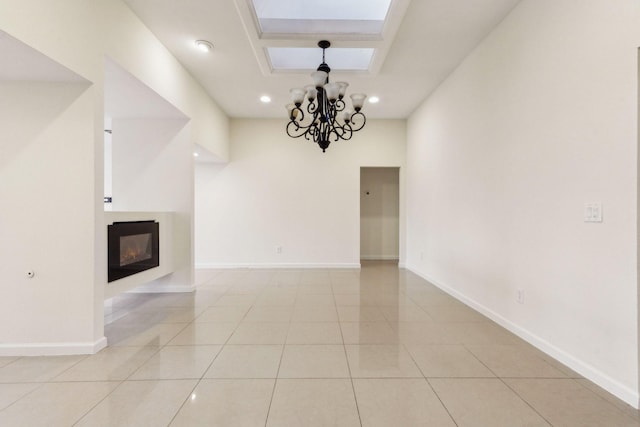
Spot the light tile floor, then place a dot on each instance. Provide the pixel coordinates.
(371, 347)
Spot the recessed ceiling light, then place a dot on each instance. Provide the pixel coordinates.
(374, 99)
(195, 154)
(203, 45)
(265, 99)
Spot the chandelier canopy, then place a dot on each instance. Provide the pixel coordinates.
(325, 118)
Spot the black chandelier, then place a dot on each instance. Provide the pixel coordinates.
(321, 123)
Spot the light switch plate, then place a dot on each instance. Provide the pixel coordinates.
(593, 212)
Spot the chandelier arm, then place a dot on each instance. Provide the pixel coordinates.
(336, 135)
(333, 125)
(348, 131)
(312, 108)
(294, 130)
(299, 125)
(332, 114)
(298, 122)
(312, 134)
(355, 118)
(344, 131)
(297, 114)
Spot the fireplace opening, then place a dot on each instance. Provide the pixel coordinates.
(133, 247)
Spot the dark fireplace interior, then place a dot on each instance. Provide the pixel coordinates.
(133, 247)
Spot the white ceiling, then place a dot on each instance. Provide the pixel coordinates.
(422, 43)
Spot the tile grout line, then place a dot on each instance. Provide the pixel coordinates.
(121, 382)
(53, 380)
(507, 385)
(604, 399)
(97, 403)
(40, 385)
(275, 381)
(193, 322)
(91, 408)
(346, 356)
(12, 361)
(429, 384)
(146, 361)
(440, 400)
(526, 402)
(204, 372)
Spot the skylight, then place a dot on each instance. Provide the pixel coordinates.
(321, 16)
(309, 58)
(284, 33)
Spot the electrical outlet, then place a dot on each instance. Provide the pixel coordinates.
(520, 296)
(421, 256)
(278, 249)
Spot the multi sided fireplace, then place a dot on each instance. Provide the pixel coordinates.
(133, 247)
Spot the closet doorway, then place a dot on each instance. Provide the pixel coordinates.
(379, 213)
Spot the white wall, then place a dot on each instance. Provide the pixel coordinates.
(540, 119)
(59, 165)
(153, 171)
(379, 213)
(278, 191)
(44, 129)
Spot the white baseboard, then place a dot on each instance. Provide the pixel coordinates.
(278, 265)
(379, 257)
(52, 349)
(588, 371)
(160, 289)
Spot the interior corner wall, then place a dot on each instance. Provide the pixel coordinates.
(540, 119)
(155, 173)
(279, 192)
